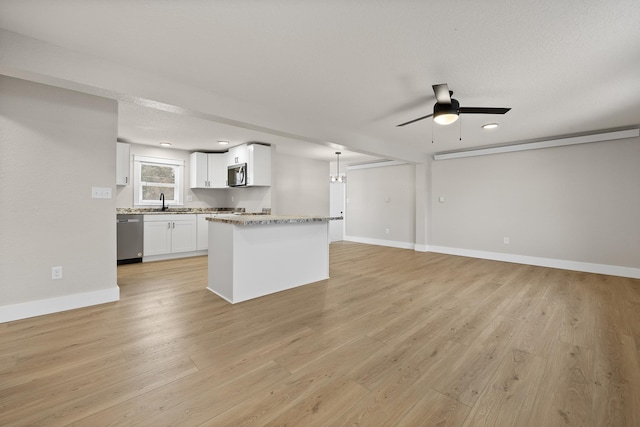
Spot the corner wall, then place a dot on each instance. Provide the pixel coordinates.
(381, 205)
(55, 145)
(577, 206)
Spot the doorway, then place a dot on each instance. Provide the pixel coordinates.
(336, 208)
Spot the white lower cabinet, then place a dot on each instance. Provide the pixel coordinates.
(157, 237)
(169, 234)
(203, 232)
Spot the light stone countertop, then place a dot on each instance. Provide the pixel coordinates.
(244, 219)
(172, 210)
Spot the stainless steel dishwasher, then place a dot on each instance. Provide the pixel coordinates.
(130, 238)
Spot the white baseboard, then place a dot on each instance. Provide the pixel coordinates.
(380, 242)
(173, 256)
(9, 313)
(612, 270)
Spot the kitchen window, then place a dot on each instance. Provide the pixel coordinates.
(155, 176)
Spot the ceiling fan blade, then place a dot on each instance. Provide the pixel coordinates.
(483, 110)
(414, 120)
(443, 96)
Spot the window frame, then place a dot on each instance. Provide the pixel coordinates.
(178, 165)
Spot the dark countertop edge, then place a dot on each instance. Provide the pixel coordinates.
(272, 219)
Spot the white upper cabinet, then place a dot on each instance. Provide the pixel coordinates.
(123, 163)
(237, 155)
(198, 170)
(207, 170)
(217, 166)
(259, 165)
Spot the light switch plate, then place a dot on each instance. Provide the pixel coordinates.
(100, 192)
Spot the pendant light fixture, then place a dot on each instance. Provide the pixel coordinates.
(337, 178)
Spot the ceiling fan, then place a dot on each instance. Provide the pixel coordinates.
(447, 109)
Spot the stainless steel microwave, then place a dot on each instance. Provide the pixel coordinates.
(237, 175)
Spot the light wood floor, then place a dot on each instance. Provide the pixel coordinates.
(394, 338)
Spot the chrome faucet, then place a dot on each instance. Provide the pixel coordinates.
(164, 208)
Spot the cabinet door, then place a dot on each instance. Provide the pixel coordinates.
(218, 170)
(203, 232)
(123, 163)
(198, 174)
(237, 154)
(183, 235)
(157, 238)
(259, 165)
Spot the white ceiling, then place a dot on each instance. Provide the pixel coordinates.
(359, 67)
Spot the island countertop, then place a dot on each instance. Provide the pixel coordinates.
(270, 219)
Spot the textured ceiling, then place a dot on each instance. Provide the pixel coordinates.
(360, 67)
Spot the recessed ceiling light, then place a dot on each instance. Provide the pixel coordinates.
(490, 126)
(223, 142)
(165, 144)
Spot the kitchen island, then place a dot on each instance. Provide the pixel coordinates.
(255, 255)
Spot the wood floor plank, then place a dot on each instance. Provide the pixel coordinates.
(616, 394)
(539, 330)
(191, 400)
(327, 403)
(580, 313)
(402, 383)
(76, 399)
(471, 371)
(435, 409)
(566, 392)
(19, 380)
(507, 399)
(263, 408)
(394, 337)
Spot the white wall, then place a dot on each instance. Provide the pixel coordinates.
(577, 203)
(55, 144)
(301, 186)
(380, 199)
(252, 199)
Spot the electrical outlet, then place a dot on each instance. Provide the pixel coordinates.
(386, 230)
(56, 273)
(506, 240)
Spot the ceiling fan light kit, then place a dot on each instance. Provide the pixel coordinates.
(446, 109)
(445, 114)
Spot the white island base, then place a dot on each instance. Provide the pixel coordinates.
(254, 259)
